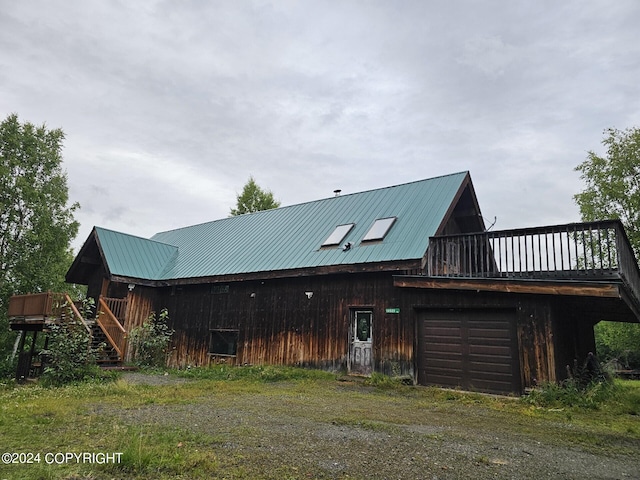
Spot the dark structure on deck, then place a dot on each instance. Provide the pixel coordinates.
(401, 280)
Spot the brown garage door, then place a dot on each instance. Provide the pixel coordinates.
(471, 349)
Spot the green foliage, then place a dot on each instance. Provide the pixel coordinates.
(588, 387)
(69, 356)
(613, 191)
(254, 199)
(8, 366)
(150, 341)
(571, 394)
(36, 222)
(613, 183)
(619, 342)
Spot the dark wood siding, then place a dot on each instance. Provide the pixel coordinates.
(305, 321)
(474, 349)
(293, 321)
(573, 335)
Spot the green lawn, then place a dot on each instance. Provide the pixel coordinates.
(254, 422)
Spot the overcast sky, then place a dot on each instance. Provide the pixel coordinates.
(169, 106)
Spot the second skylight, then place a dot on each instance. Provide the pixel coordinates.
(379, 229)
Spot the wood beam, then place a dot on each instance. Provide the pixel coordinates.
(588, 289)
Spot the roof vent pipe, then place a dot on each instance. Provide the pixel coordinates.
(337, 192)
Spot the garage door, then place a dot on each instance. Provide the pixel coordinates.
(470, 349)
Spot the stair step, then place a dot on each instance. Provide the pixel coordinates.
(109, 357)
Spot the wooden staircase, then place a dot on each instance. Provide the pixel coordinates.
(33, 312)
(109, 336)
(107, 356)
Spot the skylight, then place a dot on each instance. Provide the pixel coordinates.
(338, 235)
(379, 229)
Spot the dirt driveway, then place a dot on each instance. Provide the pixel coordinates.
(348, 430)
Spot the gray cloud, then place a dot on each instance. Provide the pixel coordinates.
(168, 107)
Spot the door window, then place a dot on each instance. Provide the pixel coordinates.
(363, 326)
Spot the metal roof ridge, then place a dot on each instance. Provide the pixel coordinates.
(320, 200)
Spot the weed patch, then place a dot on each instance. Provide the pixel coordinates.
(571, 394)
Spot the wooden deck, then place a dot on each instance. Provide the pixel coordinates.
(30, 312)
(34, 312)
(592, 259)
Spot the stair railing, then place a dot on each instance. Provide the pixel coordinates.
(118, 307)
(76, 313)
(113, 330)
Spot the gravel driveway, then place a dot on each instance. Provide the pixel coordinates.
(359, 432)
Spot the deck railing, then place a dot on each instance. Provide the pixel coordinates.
(43, 307)
(35, 305)
(49, 307)
(595, 250)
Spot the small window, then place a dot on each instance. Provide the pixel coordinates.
(363, 326)
(379, 229)
(223, 342)
(338, 235)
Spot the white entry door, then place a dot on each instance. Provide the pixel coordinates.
(361, 361)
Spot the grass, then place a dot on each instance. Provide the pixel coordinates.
(161, 433)
(259, 374)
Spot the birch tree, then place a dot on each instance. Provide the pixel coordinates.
(36, 220)
(253, 199)
(612, 190)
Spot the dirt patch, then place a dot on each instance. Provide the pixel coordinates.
(353, 431)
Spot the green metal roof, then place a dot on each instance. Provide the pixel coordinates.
(290, 237)
(130, 256)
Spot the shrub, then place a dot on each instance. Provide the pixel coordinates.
(69, 356)
(8, 367)
(149, 342)
(571, 394)
(587, 386)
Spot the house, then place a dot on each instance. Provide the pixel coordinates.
(403, 280)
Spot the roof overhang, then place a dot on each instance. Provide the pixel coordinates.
(88, 259)
(389, 267)
(595, 289)
(470, 210)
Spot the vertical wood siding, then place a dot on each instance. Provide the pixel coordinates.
(140, 304)
(536, 340)
(279, 324)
